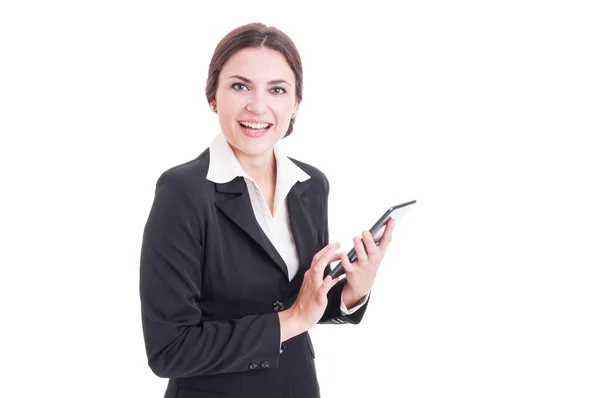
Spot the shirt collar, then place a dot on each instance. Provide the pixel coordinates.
(224, 166)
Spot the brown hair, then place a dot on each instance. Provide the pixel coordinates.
(250, 36)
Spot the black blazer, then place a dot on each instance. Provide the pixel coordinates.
(211, 284)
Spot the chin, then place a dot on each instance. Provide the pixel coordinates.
(254, 146)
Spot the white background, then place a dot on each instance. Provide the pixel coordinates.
(486, 113)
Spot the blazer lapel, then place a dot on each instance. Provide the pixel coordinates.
(303, 228)
(234, 202)
(239, 209)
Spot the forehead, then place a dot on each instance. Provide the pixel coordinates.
(258, 64)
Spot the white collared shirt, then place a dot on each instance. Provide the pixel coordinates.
(224, 167)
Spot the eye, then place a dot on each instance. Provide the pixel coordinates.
(279, 90)
(239, 86)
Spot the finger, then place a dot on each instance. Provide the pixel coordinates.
(327, 284)
(370, 243)
(329, 247)
(387, 234)
(348, 266)
(361, 254)
(322, 290)
(325, 259)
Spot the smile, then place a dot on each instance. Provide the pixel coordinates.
(255, 126)
(255, 129)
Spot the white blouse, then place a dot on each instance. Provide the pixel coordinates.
(224, 167)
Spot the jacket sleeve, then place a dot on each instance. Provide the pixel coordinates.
(179, 342)
(333, 313)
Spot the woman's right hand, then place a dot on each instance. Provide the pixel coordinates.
(312, 298)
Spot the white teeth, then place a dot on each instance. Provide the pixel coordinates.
(255, 125)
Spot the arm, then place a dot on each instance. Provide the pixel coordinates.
(179, 342)
(333, 312)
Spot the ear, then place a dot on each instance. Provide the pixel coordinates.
(296, 106)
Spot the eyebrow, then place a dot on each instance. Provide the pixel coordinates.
(246, 80)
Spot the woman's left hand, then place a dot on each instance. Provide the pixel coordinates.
(360, 274)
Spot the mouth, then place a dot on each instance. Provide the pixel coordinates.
(254, 129)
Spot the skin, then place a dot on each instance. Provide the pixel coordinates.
(257, 84)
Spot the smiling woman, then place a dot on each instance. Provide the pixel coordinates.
(255, 85)
(252, 105)
(236, 245)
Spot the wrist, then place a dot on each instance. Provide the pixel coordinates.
(291, 324)
(350, 297)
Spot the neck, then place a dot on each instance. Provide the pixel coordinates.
(262, 168)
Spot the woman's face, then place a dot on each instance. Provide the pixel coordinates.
(255, 99)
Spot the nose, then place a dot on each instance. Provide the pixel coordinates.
(258, 103)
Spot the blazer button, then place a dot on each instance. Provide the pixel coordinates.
(252, 366)
(265, 364)
(277, 306)
(282, 348)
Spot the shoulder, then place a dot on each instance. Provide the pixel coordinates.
(317, 177)
(187, 176)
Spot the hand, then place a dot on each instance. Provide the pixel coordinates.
(360, 274)
(312, 298)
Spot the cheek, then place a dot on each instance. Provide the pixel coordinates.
(283, 110)
(229, 106)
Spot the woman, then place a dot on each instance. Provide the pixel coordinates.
(235, 248)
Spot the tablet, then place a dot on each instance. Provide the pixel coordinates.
(395, 212)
